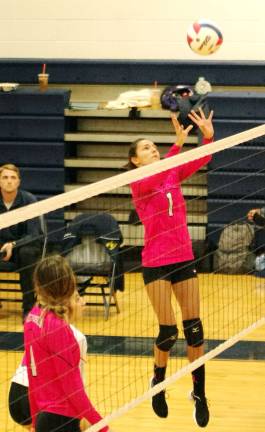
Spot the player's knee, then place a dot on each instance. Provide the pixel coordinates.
(168, 335)
(193, 331)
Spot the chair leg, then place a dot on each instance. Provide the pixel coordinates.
(114, 295)
(105, 301)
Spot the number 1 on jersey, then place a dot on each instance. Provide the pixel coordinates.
(32, 363)
(170, 204)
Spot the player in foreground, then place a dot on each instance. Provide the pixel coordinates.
(167, 257)
(57, 397)
(18, 398)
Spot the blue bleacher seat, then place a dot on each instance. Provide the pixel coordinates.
(239, 158)
(225, 127)
(236, 184)
(31, 128)
(238, 104)
(32, 153)
(46, 180)
(228, 210)
(33, 102)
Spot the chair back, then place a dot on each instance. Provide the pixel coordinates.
(90, 256)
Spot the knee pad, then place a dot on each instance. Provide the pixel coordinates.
(193, 332)
(167, 337)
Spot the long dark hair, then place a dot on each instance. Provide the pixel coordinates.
(132, 153)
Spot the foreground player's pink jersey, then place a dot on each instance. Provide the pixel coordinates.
(52, 359)
(161, 208)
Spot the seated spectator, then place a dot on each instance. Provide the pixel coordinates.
(20, 244)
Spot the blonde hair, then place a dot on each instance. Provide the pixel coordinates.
(55, 284)
(10, 167)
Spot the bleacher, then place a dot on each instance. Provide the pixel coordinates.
(32, 137)
(98, 149)
(59, 149)
(236, 177)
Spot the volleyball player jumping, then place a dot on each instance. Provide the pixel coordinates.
(56, 391)
(167, 257)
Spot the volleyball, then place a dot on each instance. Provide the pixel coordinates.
(204, 37)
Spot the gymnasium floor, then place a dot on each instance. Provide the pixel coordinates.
(117, 371)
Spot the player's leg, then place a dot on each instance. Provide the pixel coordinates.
(159, 293)
(187, 295)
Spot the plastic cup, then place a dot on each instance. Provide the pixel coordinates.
(43, 81)
(155, 99)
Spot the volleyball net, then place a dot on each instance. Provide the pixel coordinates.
(120, 348)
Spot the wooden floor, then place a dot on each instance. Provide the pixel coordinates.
(235, 388)
(228, 304)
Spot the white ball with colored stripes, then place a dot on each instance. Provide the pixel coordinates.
(204, 37)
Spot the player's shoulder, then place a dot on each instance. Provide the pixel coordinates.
(79, 336)
(34, 316)
(55, 321)
(57, 327)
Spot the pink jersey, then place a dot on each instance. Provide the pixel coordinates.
(161, 208)
(52, 359)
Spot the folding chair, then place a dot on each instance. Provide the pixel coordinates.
(91, 261)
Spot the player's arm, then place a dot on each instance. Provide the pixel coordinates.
(206, 127)
(67, 368)
(181, 132)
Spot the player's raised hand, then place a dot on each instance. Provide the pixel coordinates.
(205, 124)
(180, 131)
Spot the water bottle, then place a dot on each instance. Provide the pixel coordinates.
(202, 86)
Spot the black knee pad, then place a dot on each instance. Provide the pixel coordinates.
(167, 337)
(193, 332)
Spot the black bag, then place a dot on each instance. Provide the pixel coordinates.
(182, 99)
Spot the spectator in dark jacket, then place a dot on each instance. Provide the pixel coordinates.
(20, 244)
